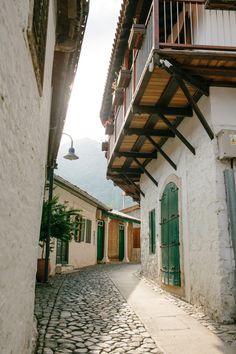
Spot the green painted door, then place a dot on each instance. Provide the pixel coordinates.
(62, 252)
(121, 242)
(170, 236)
(100, 240)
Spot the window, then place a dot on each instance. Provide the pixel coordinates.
(88, 231)
(81, 230)
(37, 35)
(152, 231)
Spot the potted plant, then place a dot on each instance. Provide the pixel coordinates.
(63, 221)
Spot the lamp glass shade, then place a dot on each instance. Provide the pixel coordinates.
(71, 154)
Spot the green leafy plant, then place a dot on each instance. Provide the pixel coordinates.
(63, 221)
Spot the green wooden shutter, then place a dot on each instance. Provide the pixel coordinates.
(174, 261)
(58, 256)
(152, 231)
(170, 236)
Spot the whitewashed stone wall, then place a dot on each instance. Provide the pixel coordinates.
(207, 260)
(24, 126)
(81, 254)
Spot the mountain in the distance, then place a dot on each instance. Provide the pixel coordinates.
(89, 173)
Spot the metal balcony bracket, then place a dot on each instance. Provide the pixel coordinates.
(134, 184)
(177, 133)
(194, 106)
(159, 149)
(146, 172)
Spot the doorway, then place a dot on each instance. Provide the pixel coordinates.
(121, 242)
(170, 236)
(62, 252)
(100, 240)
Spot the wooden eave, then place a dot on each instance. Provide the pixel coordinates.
(71, 24)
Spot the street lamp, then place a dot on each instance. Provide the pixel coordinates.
(70, 156)
(71, 153)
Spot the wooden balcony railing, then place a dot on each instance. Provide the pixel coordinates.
(176, 24)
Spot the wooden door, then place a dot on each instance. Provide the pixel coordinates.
(100, 240)
(62, 252)
(170, 236)
(121, 242)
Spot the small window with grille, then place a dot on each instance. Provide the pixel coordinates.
(37, 37)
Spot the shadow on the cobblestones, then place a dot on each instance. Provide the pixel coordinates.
(83, 312)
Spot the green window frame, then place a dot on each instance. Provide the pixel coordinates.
(152, 231)
(88, 231)
(82, 230)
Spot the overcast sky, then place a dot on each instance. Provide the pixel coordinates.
(85, 103)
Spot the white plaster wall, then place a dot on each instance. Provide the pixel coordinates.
(81, 254)
(213, 27)
(24, 121)
(207, 260)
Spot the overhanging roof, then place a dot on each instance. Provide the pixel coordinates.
(75, 190)
(71, 24)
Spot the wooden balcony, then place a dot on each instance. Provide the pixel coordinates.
(186, 49)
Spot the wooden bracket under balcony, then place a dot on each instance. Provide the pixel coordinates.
(136, 36)
(105, 146)
(123, 78)
(109, 130)
(117, 97)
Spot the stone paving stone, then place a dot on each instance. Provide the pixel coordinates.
(83, 312)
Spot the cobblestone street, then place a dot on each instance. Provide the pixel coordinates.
(83, 312)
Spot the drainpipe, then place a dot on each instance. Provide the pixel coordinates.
(231, 204)
(50, 195)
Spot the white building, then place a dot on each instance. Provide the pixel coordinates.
(38, 59)
(171, 145)
(81, 251)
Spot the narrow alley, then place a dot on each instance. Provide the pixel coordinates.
(110, 309)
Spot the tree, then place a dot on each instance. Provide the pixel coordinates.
(63, 221)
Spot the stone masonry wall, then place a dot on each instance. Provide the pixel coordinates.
(24, 126)
(207, 261)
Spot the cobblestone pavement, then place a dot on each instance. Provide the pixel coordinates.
(83, 312)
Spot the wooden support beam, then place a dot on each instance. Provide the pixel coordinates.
(129, 171)
(171, 111)
(159, 149)
(148, 131)
(146, 172)
(194, 106)
(173, 70)
(177, 133)
(134, 184)
(210, 71)
(141, 155)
